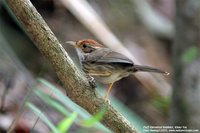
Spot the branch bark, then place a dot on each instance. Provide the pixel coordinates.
(75, 83)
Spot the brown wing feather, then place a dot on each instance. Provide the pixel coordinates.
(106, 55)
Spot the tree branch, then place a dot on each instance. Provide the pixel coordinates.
(74, 81)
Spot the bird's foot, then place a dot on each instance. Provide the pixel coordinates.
(91, 81)
(107, 100)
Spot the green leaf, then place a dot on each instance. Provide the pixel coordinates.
(42, 117)
(190, 54)
(52, 102)
(161, 103)
(68, 102)
(64, 125)
(64, 99)
(94, 119)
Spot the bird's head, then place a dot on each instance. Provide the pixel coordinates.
(86, 45)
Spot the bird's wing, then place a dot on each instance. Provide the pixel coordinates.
(108, 56)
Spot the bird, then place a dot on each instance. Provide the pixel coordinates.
(105, 65)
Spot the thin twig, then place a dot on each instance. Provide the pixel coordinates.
(20, 111)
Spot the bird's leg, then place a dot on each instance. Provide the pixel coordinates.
(108, 91)
(91, 81)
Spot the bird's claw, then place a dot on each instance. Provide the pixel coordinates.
(91, 81)
(107, 100)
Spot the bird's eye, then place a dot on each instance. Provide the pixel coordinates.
(84, 45)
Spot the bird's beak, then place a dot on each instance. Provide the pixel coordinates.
(71, 43)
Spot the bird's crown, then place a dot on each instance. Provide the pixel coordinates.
(90, 42)
(88, 45)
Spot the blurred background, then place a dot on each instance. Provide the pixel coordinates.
(143, 30)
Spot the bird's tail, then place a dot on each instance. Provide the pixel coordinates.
(149, 69)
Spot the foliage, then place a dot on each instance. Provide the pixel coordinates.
(92, 120)
(42, 116)
(63, 105)
(65, 124)
(161, 103)
(52, 102)
(190, 54)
